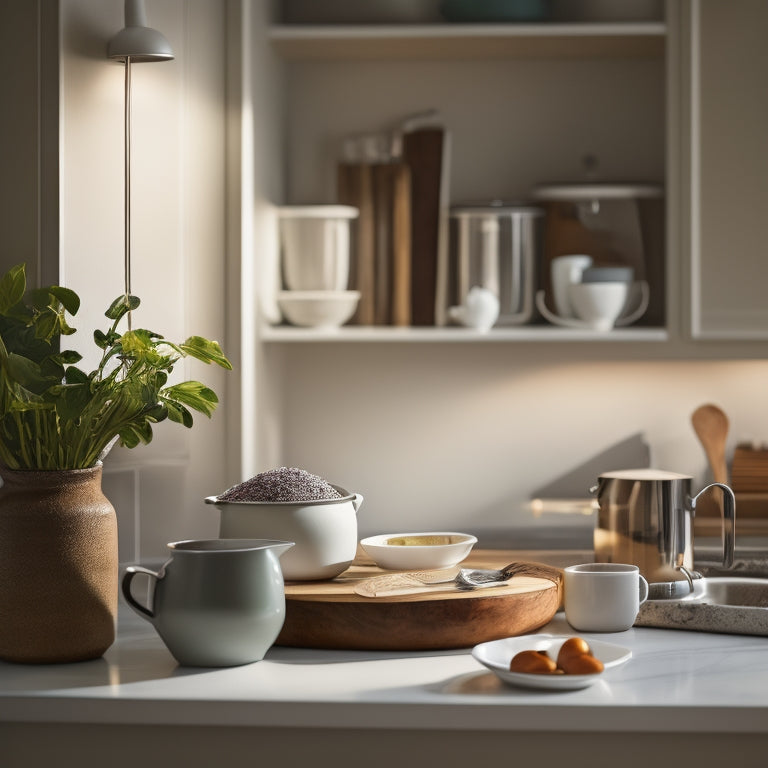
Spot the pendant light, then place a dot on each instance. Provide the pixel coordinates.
(133, 44)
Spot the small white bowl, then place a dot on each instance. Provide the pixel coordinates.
(418, 551)
(599, 304)
(318, 309)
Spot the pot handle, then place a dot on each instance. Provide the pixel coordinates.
(729, 521)
(128, 576)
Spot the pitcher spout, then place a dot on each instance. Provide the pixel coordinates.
(280, 547)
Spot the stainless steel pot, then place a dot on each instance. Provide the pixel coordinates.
(645, 518)
(495, 246)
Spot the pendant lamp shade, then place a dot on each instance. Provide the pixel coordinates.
(136, 41)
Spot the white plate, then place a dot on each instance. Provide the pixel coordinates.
(497, 654)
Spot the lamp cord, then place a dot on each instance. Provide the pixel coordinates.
(127, 174)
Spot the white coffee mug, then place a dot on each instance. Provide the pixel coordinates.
(603, 597)
(566, 270)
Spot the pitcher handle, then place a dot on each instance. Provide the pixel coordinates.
(128, 576)
(729, 521)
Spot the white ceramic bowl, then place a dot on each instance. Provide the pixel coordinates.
(324, 532)
(418, 551)
(599, 304)
(318, 309)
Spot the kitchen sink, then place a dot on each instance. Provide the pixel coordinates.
(728, 604)
(737, 591)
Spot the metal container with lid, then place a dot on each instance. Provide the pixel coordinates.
(645, 518)
(494, 245)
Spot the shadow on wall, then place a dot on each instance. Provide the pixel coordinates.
(631, 453)
(567, 502)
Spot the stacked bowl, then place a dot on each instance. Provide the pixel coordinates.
(600, 297)
(314, 250)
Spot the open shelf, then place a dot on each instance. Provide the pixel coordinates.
(455, 41)
(532, 333)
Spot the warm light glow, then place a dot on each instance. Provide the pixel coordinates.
(584, 507)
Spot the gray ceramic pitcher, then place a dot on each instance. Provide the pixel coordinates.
(216, 602)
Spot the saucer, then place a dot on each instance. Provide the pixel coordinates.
(572, 322)
(496, 655)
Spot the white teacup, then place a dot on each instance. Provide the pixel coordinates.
(599, 304)
(565, 271)
(603, 597)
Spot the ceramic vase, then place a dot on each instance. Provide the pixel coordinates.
(58, 566)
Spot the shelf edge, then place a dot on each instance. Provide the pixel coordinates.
(357, 334)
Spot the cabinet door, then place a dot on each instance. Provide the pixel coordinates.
(729, 169)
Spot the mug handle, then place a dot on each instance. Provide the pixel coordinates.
(128, 576)
(643, 584)
(631, 317)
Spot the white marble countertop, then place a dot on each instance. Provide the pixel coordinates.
(677, 681)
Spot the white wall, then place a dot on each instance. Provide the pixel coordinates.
(461, 435)
(458, 436)
(432, 435)
(179, 244)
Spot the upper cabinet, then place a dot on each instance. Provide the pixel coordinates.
(671, 96)
(728, 169)
(578, 97)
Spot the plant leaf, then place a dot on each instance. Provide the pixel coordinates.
(26, 373)
(69, 299)
(76, 376)
(205, 350)
(67, 357)
(71, 400)
(179, 414)
(46, 325)
(121, 305)
(12, 287)
(192, 394)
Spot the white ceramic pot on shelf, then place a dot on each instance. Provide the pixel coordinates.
(314, 245)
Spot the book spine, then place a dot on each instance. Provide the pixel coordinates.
(423, 152)
(355, 187)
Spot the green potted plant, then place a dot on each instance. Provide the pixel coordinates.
(58, 533)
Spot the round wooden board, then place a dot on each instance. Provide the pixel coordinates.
(330, 614)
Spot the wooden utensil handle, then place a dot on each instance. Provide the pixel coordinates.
(537, 570)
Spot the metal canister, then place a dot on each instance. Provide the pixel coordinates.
(645, 518)
(495, 245)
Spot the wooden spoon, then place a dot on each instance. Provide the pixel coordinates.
(711, 427)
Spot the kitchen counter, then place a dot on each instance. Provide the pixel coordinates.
(703, 694)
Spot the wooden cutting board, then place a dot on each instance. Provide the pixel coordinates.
(330, 614)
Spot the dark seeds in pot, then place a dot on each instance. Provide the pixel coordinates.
(283, 484)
